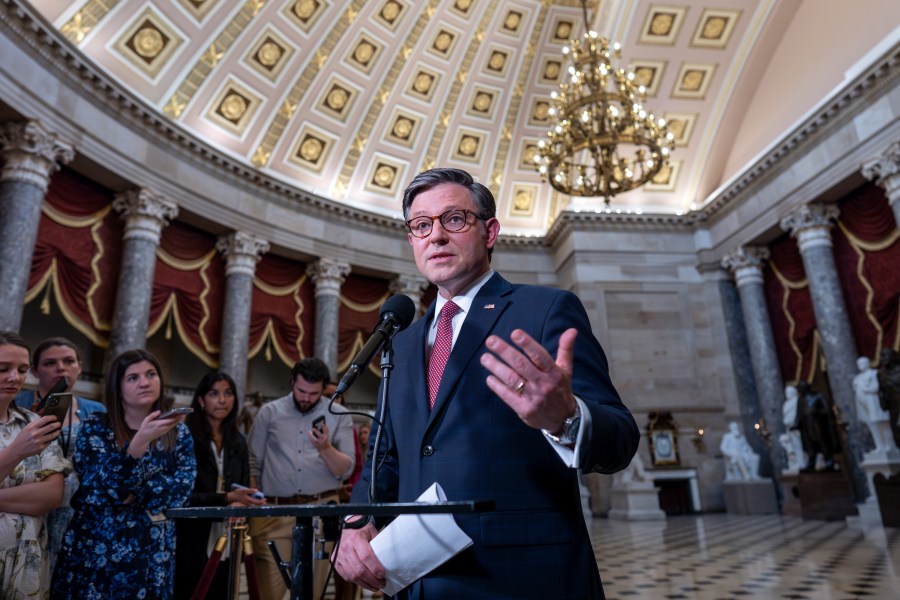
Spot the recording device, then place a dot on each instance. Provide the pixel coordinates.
(257, 495)
(319, 423)
(57, 405)
(396, 314)
(58, 388)
(182, 410)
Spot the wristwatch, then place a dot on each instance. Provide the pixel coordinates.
(356, 521)
(569, 434)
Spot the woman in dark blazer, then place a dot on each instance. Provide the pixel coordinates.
(222, 459)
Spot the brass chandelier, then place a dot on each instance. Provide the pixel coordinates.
(602, 140)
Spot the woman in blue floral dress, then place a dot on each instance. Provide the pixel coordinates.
(132, 467)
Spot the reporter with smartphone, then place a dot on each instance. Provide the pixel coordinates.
(56, 364)
(222, 462)
(300, 452)
(133, 466)
(31, 480)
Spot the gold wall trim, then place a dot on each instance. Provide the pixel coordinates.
(185, 265)
(792, 328)
(75, 222)
(49, 283)
(171, 309)
(860, 248)
(364, 308)
(279, 291)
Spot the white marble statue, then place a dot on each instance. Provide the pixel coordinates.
(741, 462)
(790, 439)
(868, 406)
(633, 474)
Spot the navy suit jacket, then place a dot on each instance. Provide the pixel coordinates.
(535, 544)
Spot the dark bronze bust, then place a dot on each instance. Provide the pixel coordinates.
(818, 427)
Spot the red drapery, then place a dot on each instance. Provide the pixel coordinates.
(188, 290)
(77, 256)
(361, 300)
(867, 254)
(791, 311)
(282, 315)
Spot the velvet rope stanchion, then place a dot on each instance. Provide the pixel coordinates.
(209, 571)
(250, 569)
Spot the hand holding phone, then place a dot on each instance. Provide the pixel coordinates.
(56, 405)
(319, 424)
(58, 388)
(181, 410)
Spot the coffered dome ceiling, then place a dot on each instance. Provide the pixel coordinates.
(349, 99)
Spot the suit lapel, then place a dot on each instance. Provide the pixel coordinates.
(419, 333)
(486, 308)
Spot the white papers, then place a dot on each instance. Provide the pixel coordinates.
(414, 545)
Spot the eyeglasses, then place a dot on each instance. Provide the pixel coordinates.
(453, 220)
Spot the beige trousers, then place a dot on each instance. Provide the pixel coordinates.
(279, 530)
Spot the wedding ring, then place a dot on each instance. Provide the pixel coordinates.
(520, 387)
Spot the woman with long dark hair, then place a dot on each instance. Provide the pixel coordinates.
(222, 460)
(31, 480)
(133, 466)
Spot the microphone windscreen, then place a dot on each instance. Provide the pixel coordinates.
(403, 308)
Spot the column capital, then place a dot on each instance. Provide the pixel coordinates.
(746, 262)
(145, 214)
(409, 285)
(885, 171)
(328, 274)
(811, 224)
(242, 251)
(31, 154)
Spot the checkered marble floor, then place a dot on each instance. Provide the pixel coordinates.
(719, 557)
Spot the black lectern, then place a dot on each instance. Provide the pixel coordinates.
(303, 534)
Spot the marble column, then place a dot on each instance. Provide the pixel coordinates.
(30, 155)
(811, 225)
(145, 215)
(328, 274)
(885, 171)
(746, 264)
(412, 286)
(739, 349)
(242, 251)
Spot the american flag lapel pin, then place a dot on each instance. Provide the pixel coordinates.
(488, 306)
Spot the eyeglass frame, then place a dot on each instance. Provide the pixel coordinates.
(439, 217)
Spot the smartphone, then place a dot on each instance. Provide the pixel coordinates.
(181, 410)
(319, 423)
(257, 495)
(58, 388)
(57, 405)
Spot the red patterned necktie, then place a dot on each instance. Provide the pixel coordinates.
(440, 352)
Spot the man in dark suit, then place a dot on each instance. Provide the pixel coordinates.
(524, 399)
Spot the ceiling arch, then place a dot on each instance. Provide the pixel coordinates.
(348, 99)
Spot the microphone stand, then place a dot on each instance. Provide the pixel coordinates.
(387, 365)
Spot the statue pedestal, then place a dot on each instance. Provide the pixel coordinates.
(790, 506)
(636, 501)
(873, 511)
(825, 495)
(750, 497)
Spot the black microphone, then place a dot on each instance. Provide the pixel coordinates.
(396, 314)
